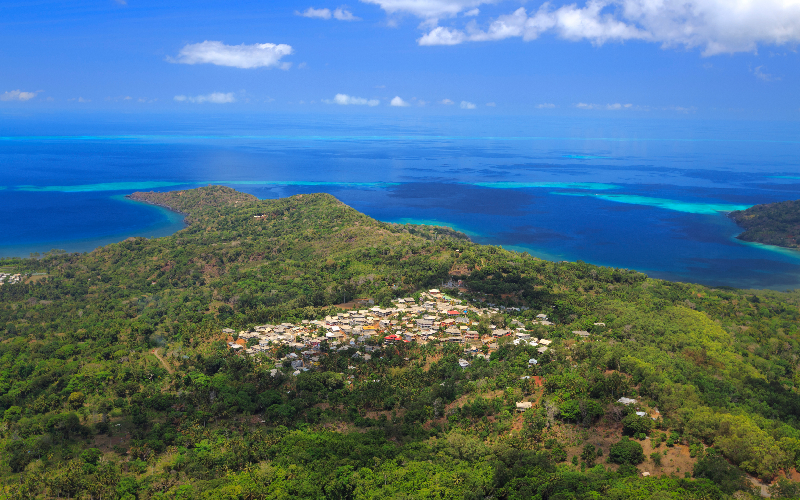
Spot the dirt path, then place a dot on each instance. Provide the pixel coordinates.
(164, 363)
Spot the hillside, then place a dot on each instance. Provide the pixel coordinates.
(772, 224)
(118, 381)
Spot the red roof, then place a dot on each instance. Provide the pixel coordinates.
(453, 313)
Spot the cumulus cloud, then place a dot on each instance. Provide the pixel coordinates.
(467, 105)
(546, 105)
(761, 75)
(341, 13)
(715, 26)
(609, 107)
(238, 56)
(315, 13)
(17, 95)
(346, 100)
(214, 98)
(429, 9)
(447, 102)
(399, 102)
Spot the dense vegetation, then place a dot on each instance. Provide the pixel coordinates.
(116, 383)
(772, 224)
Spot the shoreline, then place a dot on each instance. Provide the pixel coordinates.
(139, 199)
(168, 225)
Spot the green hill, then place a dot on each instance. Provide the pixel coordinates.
(116, 380)
(772, 224)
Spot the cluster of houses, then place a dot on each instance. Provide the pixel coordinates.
(435, 317)
(10, 278)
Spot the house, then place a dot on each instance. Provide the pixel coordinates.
(524, 405)
(471, 335)
(581, 333)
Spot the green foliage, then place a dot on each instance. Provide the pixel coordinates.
(626, 451)
(715, 468)
(772, 224)
(195, 420)
(634, 425)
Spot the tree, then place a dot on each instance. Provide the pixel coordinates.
(634, 425)
(626, 451)
(76, 400)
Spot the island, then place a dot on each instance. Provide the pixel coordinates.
(297, 348)
(771, 224)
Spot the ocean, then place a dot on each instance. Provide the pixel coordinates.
(637, 193)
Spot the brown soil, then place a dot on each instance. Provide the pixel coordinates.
(163, 363)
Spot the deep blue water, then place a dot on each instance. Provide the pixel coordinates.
(641, 194)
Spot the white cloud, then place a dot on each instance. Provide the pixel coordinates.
(546, 105)
(398, 102)
(715, 26)
(237, 56)
(346, 100)
(17, 95)
(443, 36)
(491, 104)
(343, 14)
(472, 13)
(214, 98)
(315, 13)
(467, 105)
(609, 107)
(429, 9)
(447, 102)
(765, 76)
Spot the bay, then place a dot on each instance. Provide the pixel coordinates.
(635, 193)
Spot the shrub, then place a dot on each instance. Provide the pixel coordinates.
(728, 477)
(626, 451)
(656, 458)
(633, 425)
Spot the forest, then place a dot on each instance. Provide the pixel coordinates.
(771, 224)
(117, 382)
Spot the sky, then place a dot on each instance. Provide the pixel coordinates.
(682, 58)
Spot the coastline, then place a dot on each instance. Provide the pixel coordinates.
(170, 222)
(137, 197)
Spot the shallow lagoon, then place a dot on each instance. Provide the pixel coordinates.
(641, 194)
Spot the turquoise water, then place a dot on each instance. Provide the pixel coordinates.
(643, 194)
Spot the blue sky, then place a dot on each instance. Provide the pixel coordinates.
(707, 58)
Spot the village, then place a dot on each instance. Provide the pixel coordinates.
(434, 318)
(10, 278)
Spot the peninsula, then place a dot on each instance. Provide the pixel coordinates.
(772, 224)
